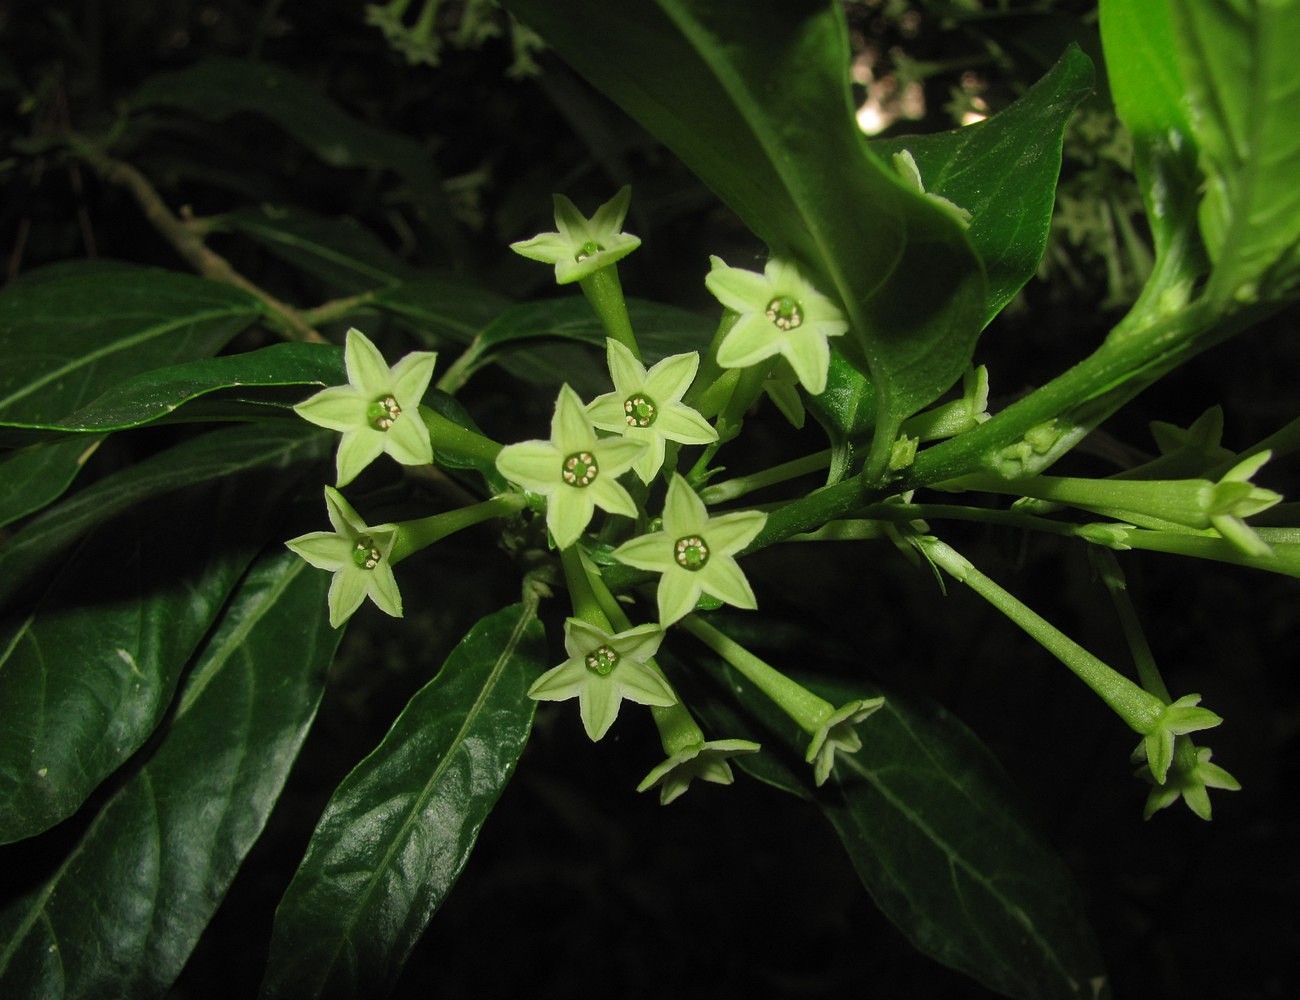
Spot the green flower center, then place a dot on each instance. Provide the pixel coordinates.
(579, 469)
(364, 553)
(588, 249)
(785, 313)
(640, 411)
(602, 660)
(691, 553)
(382, 412)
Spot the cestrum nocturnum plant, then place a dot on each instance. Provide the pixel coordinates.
(695, 553)
(1190, 778)
(647, 406)
(779, 313)
(575, 470)
(582, 246)
(602, 670)
(377, 411)
(359, 557)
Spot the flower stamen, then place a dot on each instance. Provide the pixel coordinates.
(588, 249)
(602, 660)
(691, 553)
(364, 553)
(579, 469)
(784, 312)
(383, 412)
(640, 411)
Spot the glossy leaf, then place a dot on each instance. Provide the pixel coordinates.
(219, 88)
(936, 832)
(151, 395)
(444, 307)
(757, 104)
(121, 914)
(37, 475)
(89, 659)
(272, 450)
(1242, 80)
(399, 829)
(1004, 172)
(67, 338)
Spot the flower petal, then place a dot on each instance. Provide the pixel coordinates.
(668, 381)
(408, 439)
(382, 589)
(322, 549)
(739, 290)
(548, 248)
(810, 357)
(339, 408)
(679, 590)
(410, 378)
(751, 340)
(722, 578)
(568, 512)
(358, 448)
(639, 683)
(628, 374)
(606, 412)
(347, 591)
(729, 533)
(652, 552)
(609, 494)
(684, 425)
(571, 430)
(651, 459)
(684, 511)
(534, 465)
(560, 683)
(598, 702)
(367, 370)
(608, 220)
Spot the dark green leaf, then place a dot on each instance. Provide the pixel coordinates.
(1242, 80)
(847, 411)
(68, 338)
(90, 659)
(757, 104)
(37, 475)
(400, 827)
(217, 89)
(120, 916)
(154, 394)
(1004, 172)
(267, 450)
(340, 253)
(938, 836)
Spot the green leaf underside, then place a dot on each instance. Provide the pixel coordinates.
(935, 830)
(274, 449)
(1004, 172)
(122, 913)
(154, 394)
(399, 829)
(67, 339)
(1238, 62)
(89, 661)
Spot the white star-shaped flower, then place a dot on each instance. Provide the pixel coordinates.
(378, 410)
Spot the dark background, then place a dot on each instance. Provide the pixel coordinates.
(578, 883)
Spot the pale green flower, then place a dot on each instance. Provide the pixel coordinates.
(575, 470)
(358, 556)
(582, 246)
(602, 670)
(836, 734)
(378, 410)
(704, 760)
(1190, 778)
(1176, 719)
(780, 313)
(906, 168)
(647, 406)
(695, 553)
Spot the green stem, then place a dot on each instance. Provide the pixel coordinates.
(451, 438)
(1113, 577)
(1139, 709)
(605, 294)
(418, 534)
(804, 707)
(732, 489)
(586, 606)
(677, 728)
